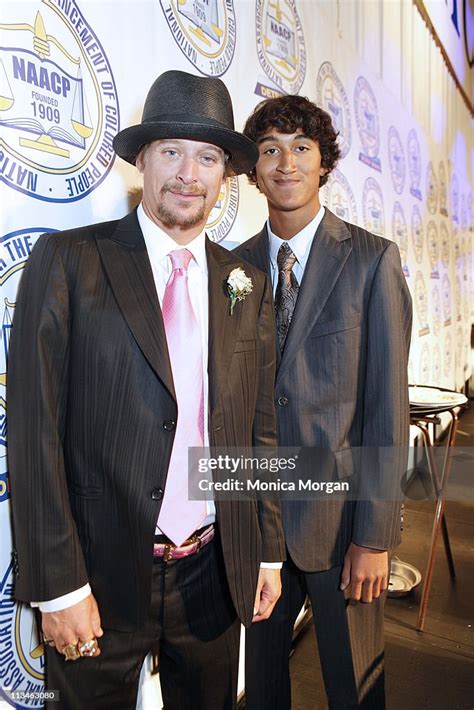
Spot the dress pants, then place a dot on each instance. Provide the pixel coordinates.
(192, 625)
(350, 644)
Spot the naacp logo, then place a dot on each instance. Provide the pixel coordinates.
(205, 31)
(443, 190)
(396, 159)
(433, 248)
(445, 244)
(58, 103)
(280, 47)
(15, 249)
(21, 651)
(400, 234)
(372, 207)
(455, 201)
(414, 163)
(448, 354)
(425, 364)
(340, 198)
(368, 123)
(446, 291)
(431, 189)
(332, 97)
(417, 233)
(436, 309)
(224, 212)
(421, 304)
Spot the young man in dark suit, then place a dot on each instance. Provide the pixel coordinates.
(124, 353)
(343, 315)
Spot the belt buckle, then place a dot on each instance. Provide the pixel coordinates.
(166, 552)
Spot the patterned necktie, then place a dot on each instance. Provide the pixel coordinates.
(286, 292)
(179, 517)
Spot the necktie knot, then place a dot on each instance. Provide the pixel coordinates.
(286, 258)
(180, 259)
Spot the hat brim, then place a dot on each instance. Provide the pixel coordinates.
(244, 153)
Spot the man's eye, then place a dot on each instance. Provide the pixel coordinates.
(270, 151)
(302, 148)
(209, 159)
(170, 152)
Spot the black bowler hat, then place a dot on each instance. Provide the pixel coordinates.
(181, 105)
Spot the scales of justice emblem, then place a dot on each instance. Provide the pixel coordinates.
(47, 115)
(58, 106)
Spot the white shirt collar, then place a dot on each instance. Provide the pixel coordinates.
(301, 242)
(159, 244)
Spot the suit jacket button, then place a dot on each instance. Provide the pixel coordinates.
(157, 494)
(282, 401)
(169, 424)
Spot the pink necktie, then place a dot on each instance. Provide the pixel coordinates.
(179, 517)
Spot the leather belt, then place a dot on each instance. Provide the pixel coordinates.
(168, 551)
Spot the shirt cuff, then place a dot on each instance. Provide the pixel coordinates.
(271, 565)
(65, 601)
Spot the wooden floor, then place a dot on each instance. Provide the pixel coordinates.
(433, 669)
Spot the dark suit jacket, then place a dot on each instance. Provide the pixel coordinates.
(91, 411)
(342, 382)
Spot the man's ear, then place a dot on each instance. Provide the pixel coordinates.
(140, 159)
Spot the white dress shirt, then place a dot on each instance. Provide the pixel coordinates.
(300, 245)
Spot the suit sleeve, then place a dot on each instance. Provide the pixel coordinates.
(386, 411)
(264, 429)
(49, 557)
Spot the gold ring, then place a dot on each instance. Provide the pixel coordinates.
(88, 648)
(71, 652)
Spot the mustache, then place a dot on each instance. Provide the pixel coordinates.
(183, 189)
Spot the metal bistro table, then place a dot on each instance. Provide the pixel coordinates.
(422, 415)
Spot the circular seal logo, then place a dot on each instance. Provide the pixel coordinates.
(445, 244)
(332, 97)
(396, 159)
(417, 233)
(372, 207)
(448, 354)
(446, 292)
(443, 190)
(421, 304)
(204, 30)
(280, 46)
(58, 106)
(224, 212)
(436, 360)
(367, 120)
(21, 650)
(436, 309)
(425, 365)
(340, 198)
(400, 234)
(431, 189)
(414, 163)
(433, 248)
(455, 201)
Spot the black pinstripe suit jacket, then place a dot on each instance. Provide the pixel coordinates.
(89, 389)
(342, 381)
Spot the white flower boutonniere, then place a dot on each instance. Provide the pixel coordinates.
(239, 286)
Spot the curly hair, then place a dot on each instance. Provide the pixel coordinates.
(287, 114)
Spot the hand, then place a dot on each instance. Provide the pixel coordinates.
(366, 571)
(76, 624)
(268, 593)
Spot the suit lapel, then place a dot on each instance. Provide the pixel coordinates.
(329, 252)
(257, 252)
(223, 327)
(128, 268)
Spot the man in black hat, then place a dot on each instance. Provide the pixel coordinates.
(133, 340)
